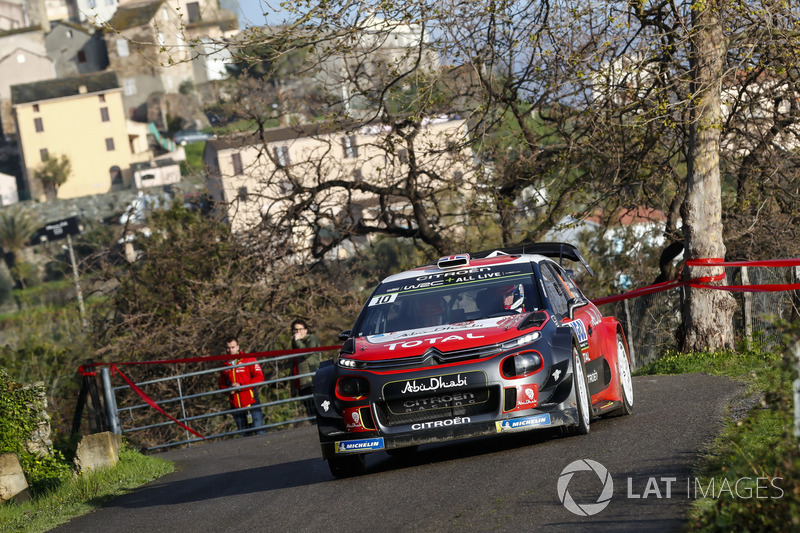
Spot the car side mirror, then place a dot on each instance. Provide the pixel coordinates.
(575, 303)
(344, 335)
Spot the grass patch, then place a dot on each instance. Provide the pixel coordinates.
(755, 367)
(194, 158)
(82, 493)
(750, 478)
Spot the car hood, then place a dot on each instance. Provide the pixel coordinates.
(446, 338)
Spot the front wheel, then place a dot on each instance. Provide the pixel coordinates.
(625, 379)
(584, 402)
(347, 465)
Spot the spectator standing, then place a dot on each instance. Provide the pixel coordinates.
(236, 377)
(303, 338)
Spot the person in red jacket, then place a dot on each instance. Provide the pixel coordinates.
(237, 376)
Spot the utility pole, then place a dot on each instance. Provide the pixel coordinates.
(78, 290)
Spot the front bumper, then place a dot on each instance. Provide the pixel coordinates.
(337, 443)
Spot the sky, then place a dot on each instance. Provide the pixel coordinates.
(251, 12)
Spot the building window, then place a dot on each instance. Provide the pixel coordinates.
(242, 194)
(44, 155)
(69, 34)
(102, 97)
(110, 144)
(38, 124)
(104, 114)
(81, 56)
(35, 108)
(402, 154)
(115, 173)
(122, 48)
(165, 13)
(237, 164)
(349, 146)
(129, 85)
(281, 155)
(357, 175)
(193, 8)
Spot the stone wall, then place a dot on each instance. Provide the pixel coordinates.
(97, 207)
(40, 441)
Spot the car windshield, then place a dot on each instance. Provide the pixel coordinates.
(448, 298)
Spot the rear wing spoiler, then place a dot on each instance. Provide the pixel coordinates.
(552, 250)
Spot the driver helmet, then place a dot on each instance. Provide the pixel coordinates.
(513, 297)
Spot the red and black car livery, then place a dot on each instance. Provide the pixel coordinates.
(477, 344)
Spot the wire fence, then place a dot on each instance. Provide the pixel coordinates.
(651, 322)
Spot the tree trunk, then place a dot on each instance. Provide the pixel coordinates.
(707, 314)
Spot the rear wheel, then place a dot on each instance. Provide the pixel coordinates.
(625, 379)
(347, 465)
(582, 398)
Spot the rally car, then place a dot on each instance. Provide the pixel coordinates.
(477, 344)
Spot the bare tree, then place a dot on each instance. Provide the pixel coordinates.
(570, 108)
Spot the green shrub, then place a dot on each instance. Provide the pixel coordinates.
(58, 293)
(19, 414)
(26, 273)
(762, 446)
(20, 417)
(56, 270)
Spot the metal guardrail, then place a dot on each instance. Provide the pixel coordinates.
(124, 419)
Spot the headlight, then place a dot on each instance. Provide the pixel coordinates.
(521, 341)
(350, 363)
(521, 364)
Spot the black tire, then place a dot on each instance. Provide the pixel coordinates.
(347, 465)
(584, 402)
(625, 378)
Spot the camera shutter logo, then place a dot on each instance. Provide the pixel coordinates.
(586, 509)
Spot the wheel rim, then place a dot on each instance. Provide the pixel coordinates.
(624, 372)
(584, 394)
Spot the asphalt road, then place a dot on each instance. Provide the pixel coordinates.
(278, 482)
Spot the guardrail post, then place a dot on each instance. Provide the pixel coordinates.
(183, 407)
(112, 415)
(747, 311)
(796, 389)
(631, 349)
(795, 298)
